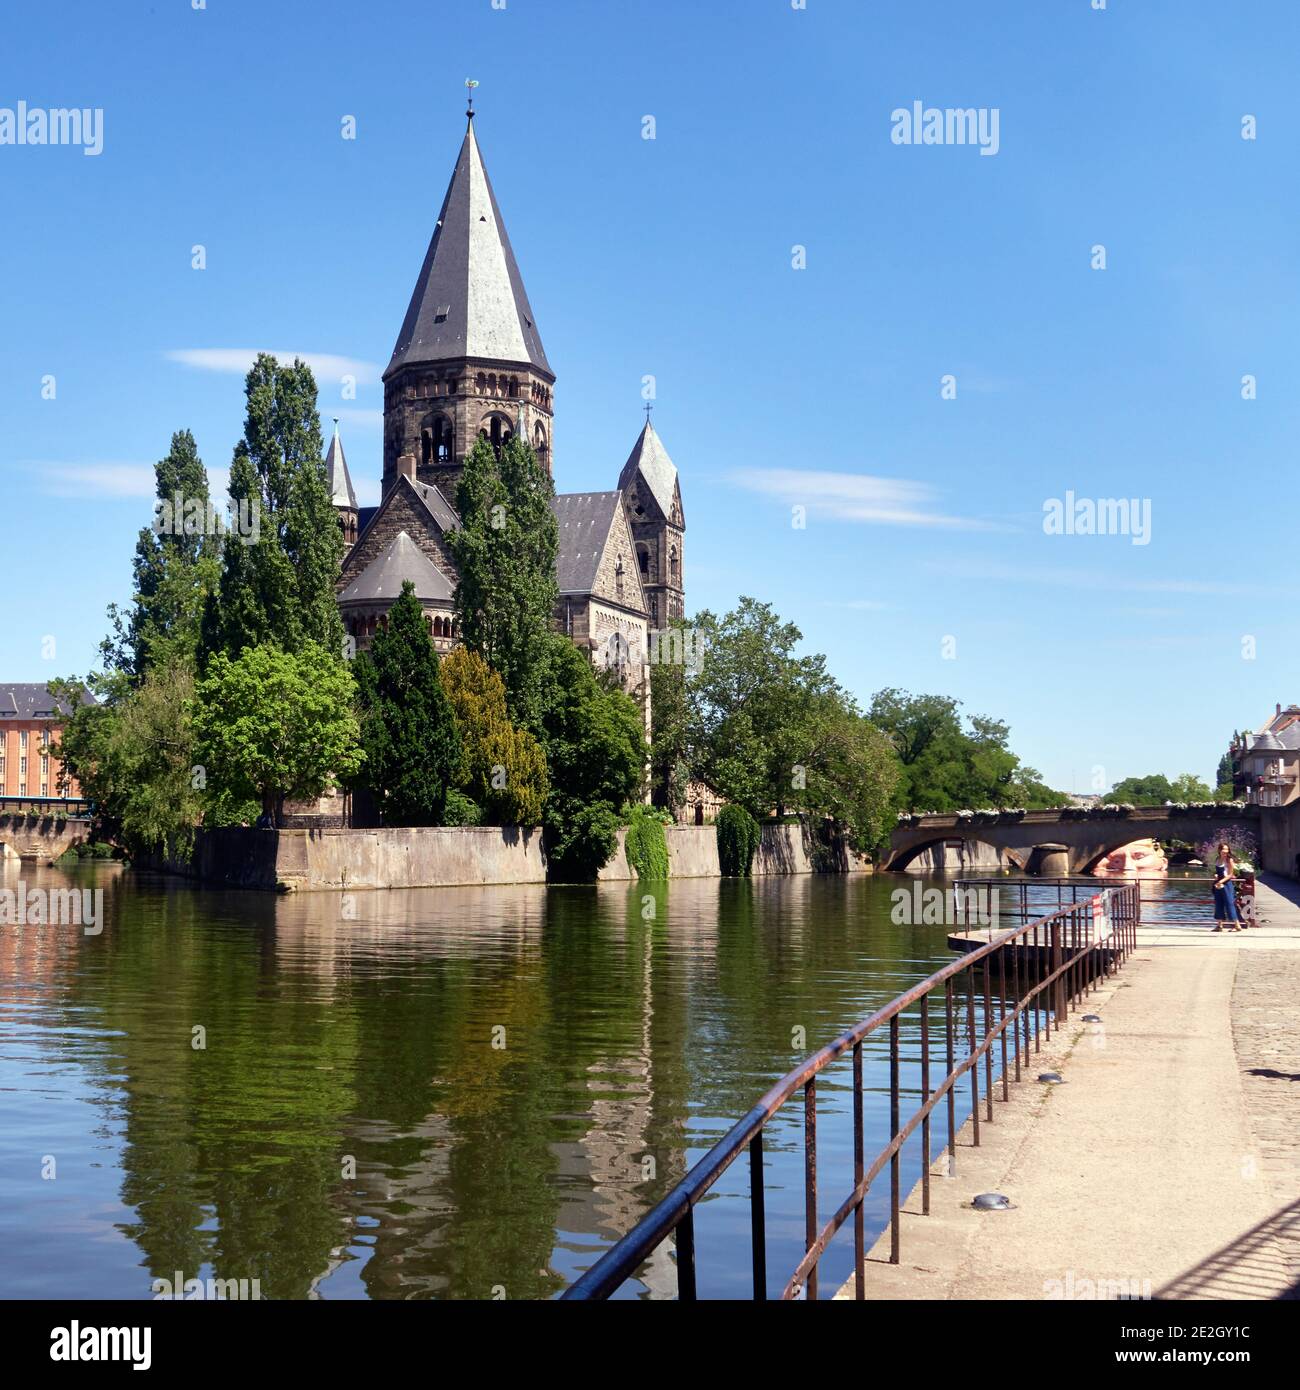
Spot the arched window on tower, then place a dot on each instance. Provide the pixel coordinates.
(514, 387)
(444, 440)
(539, 444)
(426, 446)
(674, 568)
(643, 559)
(496, 429)
(482, 383)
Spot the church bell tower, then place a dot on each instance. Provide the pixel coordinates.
(469, 359)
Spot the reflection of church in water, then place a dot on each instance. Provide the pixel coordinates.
(469, 363)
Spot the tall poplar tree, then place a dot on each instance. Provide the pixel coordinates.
(176, 568)
(281, 587)
(505, 553)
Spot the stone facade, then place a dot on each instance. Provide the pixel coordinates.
(435, 412)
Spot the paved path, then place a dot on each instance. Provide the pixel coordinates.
(1169, 1164)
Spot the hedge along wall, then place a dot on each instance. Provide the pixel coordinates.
(693, 853)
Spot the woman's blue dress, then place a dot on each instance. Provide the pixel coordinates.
(1225, 897)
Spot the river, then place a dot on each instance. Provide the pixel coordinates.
(451, 1093)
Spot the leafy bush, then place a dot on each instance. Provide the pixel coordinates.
(647, 849)
(738, 836)
(460, 809)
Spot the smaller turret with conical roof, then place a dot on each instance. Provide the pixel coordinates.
(339, 482)
(652, 498)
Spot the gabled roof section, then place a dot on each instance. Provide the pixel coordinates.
(382, 579)
(469, 300)
(583, 520)
(337, 476)
(650, 459)
(429, 497)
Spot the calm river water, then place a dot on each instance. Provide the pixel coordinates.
(455, 1093)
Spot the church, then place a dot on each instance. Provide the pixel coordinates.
(469, 364)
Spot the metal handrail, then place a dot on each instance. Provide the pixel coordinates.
(1075, 958)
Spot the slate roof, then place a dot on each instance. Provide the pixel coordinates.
(470, 299)
(438, 507)
(402, 559)
(32, 701)
(336, 474)
(650, 459)
(583, 520)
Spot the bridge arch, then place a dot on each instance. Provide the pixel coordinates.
(950, 852)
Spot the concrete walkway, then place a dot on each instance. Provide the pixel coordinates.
(1168, 1165)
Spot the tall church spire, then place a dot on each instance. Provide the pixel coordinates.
(468, 360)
(469, 299)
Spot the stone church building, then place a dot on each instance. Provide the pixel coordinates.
(469, 363)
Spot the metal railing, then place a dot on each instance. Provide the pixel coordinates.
(1043, 968)
(75, 808)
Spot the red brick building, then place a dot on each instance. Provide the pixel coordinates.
(29, 723)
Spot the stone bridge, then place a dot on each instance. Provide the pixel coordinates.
(40, 837)
(1054, 843)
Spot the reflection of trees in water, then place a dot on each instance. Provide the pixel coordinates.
(371, 1034)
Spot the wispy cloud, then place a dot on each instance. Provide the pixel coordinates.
(61, 479)
(99, 480)
(859, 497)
(998, 572)
(237, 361)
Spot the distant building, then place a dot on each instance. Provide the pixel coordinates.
(1266, 764)
(29, 720)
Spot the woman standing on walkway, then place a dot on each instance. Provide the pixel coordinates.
(1225, 891)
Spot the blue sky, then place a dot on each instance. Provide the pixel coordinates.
(776, 387)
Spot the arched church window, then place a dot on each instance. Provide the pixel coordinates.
(539, 445)
(514, 387)
(643, 559)
(444, 438)
(482, 383)
(673, 567)
(426, 446)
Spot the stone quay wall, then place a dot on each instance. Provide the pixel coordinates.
(433, 857)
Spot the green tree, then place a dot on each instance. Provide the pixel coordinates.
(1153, 790)
(670, 716)
(1189, 787)
(271, 724)
(279, 588)
(176, 568)
(772, 730)
(948, 767)
(502, 768)
(408, 731)
(505, 554)
(593, 737)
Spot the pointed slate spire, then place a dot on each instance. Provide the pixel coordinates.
(650, 459)
(336, 474)
(469, 300)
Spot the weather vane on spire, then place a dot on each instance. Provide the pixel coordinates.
(471, 84)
